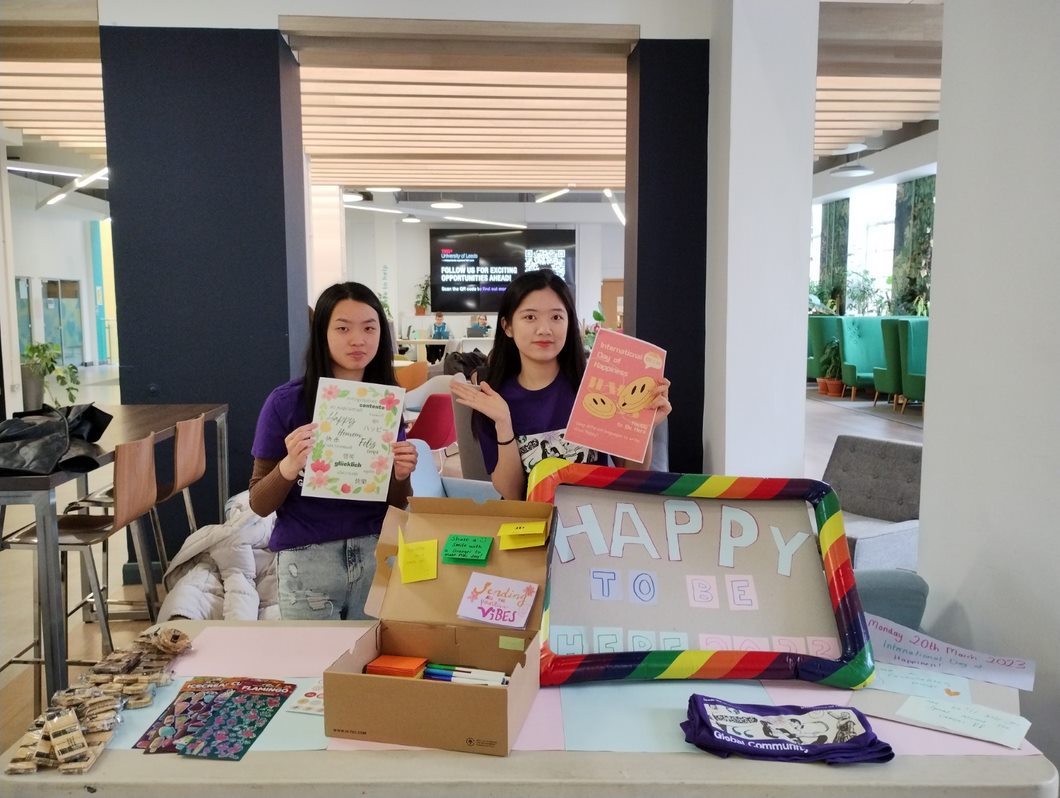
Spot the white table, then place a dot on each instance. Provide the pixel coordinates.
(550, 774)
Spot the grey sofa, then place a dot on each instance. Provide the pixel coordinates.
(878, 484)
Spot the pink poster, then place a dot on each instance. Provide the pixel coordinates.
(610, 412)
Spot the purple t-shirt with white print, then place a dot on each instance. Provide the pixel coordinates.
(302, 520)
(539, 419)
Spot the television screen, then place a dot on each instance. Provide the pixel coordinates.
(471, 268)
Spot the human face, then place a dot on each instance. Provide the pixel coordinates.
(353, 338)
(539, 326)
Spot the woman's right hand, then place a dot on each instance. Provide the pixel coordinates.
(299, 443)
(485, 400)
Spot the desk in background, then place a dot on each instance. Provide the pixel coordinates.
(130, 422)
(320, 774)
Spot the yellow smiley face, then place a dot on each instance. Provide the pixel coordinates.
(637, 395)
(598, 405)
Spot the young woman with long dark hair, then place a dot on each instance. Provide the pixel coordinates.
(532, 377)
(326, 547)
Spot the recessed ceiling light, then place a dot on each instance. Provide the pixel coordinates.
(352, 196)
(485, 221)
(383, 189)
(408, 218)
(608, 193)
(552, 195)
(447, 205)
(57, 198)
(81, 182)
(372, 208)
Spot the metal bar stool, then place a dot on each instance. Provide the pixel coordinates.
(134, 496)
(189, 464)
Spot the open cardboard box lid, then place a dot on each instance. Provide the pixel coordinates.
(437, 600)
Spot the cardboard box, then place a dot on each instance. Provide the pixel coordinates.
(419, 619)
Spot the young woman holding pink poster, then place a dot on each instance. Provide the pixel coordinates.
(532, 377)
(326, 546)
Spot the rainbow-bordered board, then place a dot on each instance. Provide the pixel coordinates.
(844, 662)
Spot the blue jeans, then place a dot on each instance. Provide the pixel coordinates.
(326, 581)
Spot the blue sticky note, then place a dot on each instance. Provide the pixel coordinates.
(641, 716)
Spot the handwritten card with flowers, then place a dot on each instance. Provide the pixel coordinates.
(353, 452)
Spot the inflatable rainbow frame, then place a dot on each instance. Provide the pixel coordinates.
(854, 668)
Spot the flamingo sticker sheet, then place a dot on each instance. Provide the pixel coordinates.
(353, 453)
(496, 600)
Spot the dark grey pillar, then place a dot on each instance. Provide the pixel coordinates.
(666, 223)
(207, 195)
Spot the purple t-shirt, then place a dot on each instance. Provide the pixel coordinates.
(539, 419)
(302, 520)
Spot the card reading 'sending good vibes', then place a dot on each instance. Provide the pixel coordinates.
(353, 449)
(496, 600)
(612, 411)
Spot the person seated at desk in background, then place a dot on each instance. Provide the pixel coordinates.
(479, 328)
(440, 330)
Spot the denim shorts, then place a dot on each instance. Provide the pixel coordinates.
(326, 581)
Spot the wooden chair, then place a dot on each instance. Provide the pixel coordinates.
(412, 376)
(134, 496)
(189, 464)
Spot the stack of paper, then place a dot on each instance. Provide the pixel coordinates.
(392, 665)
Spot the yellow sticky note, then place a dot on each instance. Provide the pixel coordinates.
(522, 528)
(418, 561)
(509, 542)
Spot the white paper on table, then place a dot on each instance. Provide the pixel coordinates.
(900, 645)
(968, 720)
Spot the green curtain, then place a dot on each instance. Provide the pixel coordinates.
(835, 223)
(914, 218)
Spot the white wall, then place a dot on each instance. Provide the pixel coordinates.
(760, 134)
(327, 239)
(53, 242)
(992, 452)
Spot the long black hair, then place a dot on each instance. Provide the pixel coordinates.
(380, 369)
(504, 361)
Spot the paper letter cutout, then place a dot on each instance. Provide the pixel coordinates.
(744, 643)
(642, 538)
(674, 527)
(827, 647)
(607, 639)
(640, 641)
(642, 588)
(703, 591)
(712, 642)
(731, 516)
(589, 525)
(741, 592)
(796, 645)
(605, 585)
(568, 640)
(673, 641)
(785, 551)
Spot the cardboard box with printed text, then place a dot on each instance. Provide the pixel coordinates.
(419, 619)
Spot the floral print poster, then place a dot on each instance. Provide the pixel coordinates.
(353, 452)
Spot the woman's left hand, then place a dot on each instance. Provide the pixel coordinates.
(661, 402)
(405, 458)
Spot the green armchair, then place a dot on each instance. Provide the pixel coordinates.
(861, 350)
(912, 343)
(821, 330)
(888, 378)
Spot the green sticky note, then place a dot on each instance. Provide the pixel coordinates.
(510, 643)
(466, 549)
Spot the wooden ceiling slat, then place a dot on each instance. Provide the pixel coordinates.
(463, 77)
(318, 101)
(314, 88)
(513, 114)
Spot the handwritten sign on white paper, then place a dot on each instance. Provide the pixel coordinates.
(353, 451)
(496, 600)
(967, 720)
(900, 645)
(926, 684)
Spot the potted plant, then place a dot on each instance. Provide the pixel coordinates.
(832, 368)
(423, 296)
(39, 362)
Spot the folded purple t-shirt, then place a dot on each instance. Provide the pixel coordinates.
(826, 733)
